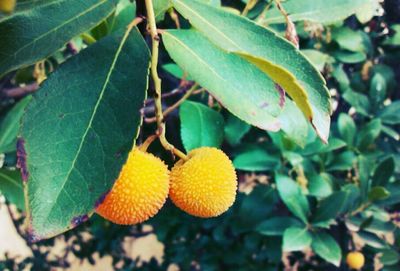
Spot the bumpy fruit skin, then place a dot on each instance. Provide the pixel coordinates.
(355, 260)
(204, 185)
(139, 192)
(7, 5)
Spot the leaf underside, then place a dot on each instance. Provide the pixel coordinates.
(272, 54)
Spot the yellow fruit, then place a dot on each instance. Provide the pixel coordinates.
(139, 192)
(7, 5)
(204, 185)
(355, 260)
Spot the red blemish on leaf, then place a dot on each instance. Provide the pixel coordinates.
(21, 159)
(282, 96)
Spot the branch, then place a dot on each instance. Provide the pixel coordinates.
(157, 81)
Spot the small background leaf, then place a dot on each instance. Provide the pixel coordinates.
(327, 248)
(200, 126)
(291, 194)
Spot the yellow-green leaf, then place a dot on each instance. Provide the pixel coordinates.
(275, 56)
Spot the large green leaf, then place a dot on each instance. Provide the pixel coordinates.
(242, 88)
(200, 126)
(10, 125)
(36, 32)
(291, 195)
(327, 248)
(12, 188)
(78, 129)
(320, 11)
(274, 55)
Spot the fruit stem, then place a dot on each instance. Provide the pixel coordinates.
(151, 18)
(147, 143)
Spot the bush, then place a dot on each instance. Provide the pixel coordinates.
(317, 162)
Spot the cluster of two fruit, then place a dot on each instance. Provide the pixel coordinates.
(203, 185)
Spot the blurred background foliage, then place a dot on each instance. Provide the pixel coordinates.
(298, 207)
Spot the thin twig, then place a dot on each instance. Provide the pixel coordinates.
(157, 81)
(250, 4)
(175, 105)
(21, 91)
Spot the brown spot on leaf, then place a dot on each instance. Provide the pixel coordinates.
(21, 159)
(282, 96)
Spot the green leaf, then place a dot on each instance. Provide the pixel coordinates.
(12, 188)
(235, 129)
(276, 226)
(255, 207)
(347, 128)
(372, 240)
(296, 239)
(319, 185)
(378, 193)
(268, 52)
(124, 14)
(317, 58)
(175, 71)
(359, 101)
(200, 126)
(327, 248)
(330, 207)
(364, 168)
(383, 172)
(391, 113)
(350, 57)
(293, 123)
(256, 159)
(369, 134)
(222, 75)
(378, 89)
(319, 11)
(10, 125)
(291, 194)
(160, 8)
(395, 39)
(389, 257)
(33, 34)
(342, 161)
(390, 132)
(78, 129)
(349, 39)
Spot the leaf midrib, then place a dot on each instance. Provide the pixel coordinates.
(115, 59)
(198, 57)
